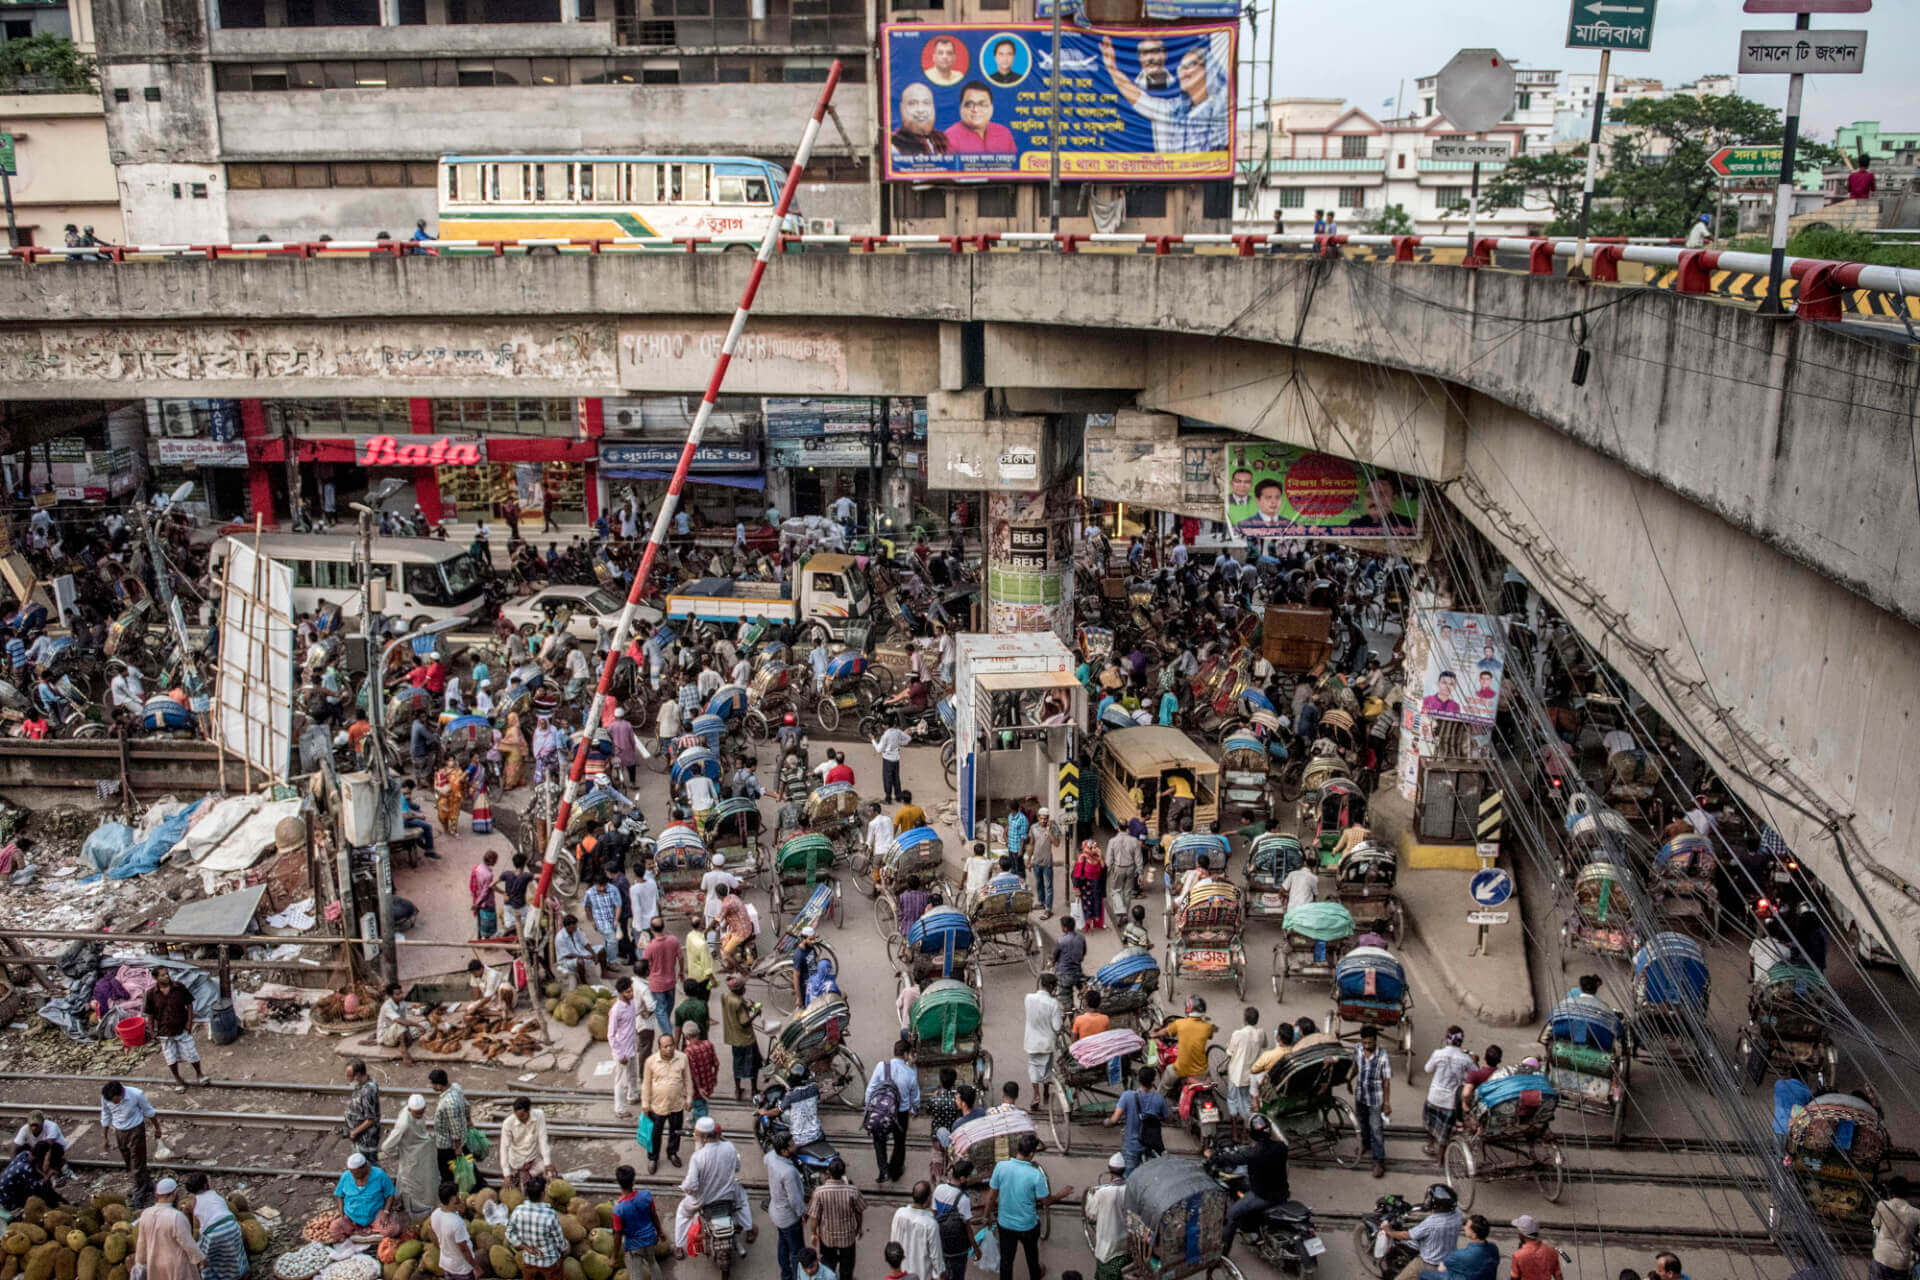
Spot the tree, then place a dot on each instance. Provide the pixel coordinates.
(1656, 167)
(45, 63)
(1547, 182)
(1393, 220)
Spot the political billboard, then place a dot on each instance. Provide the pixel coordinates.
(1135, 105)
(1465, 660)
(1283, 491)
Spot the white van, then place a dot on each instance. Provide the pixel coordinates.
(427, 579)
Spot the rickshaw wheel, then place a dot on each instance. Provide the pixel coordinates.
(1825, 1077)
(754, 725)
(1552, 1180)
(1222, 1268)
(1744, 1060)
(1396, 921)
(983, 1071)
(861, 863)
(827, 712)
(566, 876)
(1286, 783)
(1030, 945)
(884, 678)
(1342, 1128)
(659, 762)
(1279, 972)
(885, 917)
(849, 1077)
(1217, 1060)
(1240, 977)
(977, 979)
(1458, 1166)
(1406, 1043)
(839, 914)
(950, 762)
(1619, 1120)
(1059, 1120)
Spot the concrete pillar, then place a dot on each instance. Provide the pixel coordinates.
(426, 480)
(253, 428)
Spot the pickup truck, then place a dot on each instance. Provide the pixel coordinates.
(823, 595)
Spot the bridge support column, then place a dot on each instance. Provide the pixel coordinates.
(253, 427)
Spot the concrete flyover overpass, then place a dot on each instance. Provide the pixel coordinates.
(1726, 506)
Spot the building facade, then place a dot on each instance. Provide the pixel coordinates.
(65, 174)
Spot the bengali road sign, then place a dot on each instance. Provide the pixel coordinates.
(1611, 24)
(1745, 162)
(1785, 52)
(1490, 151)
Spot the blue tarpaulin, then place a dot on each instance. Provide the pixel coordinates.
(143, 856)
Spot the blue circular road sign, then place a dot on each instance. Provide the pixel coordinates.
(1490, 888)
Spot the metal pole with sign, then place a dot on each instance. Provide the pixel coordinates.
(1053, 128)
(7, 170)
(1796, 54)
(1605, 27)
(1474, 91)
(1478, 151)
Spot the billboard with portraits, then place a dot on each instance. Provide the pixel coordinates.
(1135, 105)
(1284, 491)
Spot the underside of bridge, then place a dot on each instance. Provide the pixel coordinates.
(1724, 505)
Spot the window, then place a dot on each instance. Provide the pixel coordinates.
(913, 204)
(1450, 199)
(1351, 198)
(199, 190)
(549, 71)
(151, 93)
(1353, 146)
(1400, 161)
(423, 583)
(350, 175)
(1146, 202)
(120, 95)
(1526, 101)
(993, 202)
(1293, 197)
(405, 74)
(1216, 200)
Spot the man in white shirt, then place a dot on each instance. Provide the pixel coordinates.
(702, 795)
(1106, 1209)
(710, 884)
(888, 745)
(917, 1233)
(1447, 1069)
(125, 690)
(1702, 821)
(879, 831)
(1301, 885)
(644, 893)
(1246, 1045)
(38, 1129)
(669, 723)
(713, 1175)
(1178, 556)
(1044, 1021)
(1618, 740)
(843, 508)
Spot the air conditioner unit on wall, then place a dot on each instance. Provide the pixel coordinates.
(820, 226)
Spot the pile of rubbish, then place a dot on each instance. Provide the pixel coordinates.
(103, 990)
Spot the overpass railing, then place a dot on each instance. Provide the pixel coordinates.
(1817, 289)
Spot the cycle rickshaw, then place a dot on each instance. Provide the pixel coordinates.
(1837, 1149)
(817, 1036)
(805, 862)
(680, 859)
(938, 945)
(1508, 1134)
(1089, 1075)
(850, 690)
(914, 856)
(1670, 989)
(1789, 1030)
(1183, 855)
(1364, 880)
(1176, 1222)
(1588, 1059)
(1370, 986)
(943, 1030)
(734, 827)
(1126, 985)
(775, 969)
(1243, 774)
(1270, 860)
(1601, 923)
(1317, 935)
(1207, 940)
(833, 811)
(1682, 887)
(1332, 807)
(1296, 1092)
(1003, 930)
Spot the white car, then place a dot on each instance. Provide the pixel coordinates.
(594, 609)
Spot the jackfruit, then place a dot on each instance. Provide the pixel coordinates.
(35, 1233)
(66, 1264)
(581, 999)
(76, 1239)
(39, 1263)
(408, 1251)
(15, 1242)
(479, 1200)
(115, 1248)
(596, 1267)
(102, 1199)
(34, 1209)
(604, 1211)
(568, 1014)
(239, 1204)
(9, 1266)
(91, 1266)
(570, 1270)
(512, 1197)
(597, 1025)
(254, 1235)
(552, 990)
(430, 1259)
(602, 1242)
(405, 1270)
(386, 1269)
(56, 1221)
(571, 1228)
(118, 1273)
(559, 1193)
(603, 1006)
(504, 1264)
(113, 1213)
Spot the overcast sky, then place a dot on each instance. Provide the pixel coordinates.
(1362, 51)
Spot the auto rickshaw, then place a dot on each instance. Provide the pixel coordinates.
(1135, 765)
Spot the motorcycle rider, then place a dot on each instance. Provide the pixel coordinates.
(713, 1176)
(1435, 1235)
(1265, 1159)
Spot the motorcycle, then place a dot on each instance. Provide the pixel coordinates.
(812, 1160)
(1284, 1236)
(716, 1235)
(926, 728)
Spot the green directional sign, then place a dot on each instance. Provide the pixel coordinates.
(7, 165)
(1745, 162)
(1611, 24)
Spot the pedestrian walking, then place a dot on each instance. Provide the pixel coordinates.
(1043, 1022)
(452, 1119)
(893, 1095)
(1895, 1222)
(888, 745)
(786, 1201)
(525, 1152)
(125, 1117)
(169, 1010)
(163, 1239)
(737, 1014)
(362, 1119)
(916, 1233)
(836, 1219)
(1040, 841)
(1017, 1195)
(666, 1091)
(409, 1157)
(642, 1238)
(1373, 1095)
(623, 1039)
(1447, 1069)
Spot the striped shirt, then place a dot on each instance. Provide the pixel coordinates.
(450, 1118)
(1370, 1080)
(836, 1212)
(534, 1229)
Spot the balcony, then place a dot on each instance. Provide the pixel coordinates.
(1331, 164)
(843, 32)
(1427, 164)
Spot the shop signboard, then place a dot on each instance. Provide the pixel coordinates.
(441, 451)
(1135, 104)
(170, 452)
(1284, 491)
(820, 431)
(665, 457)
(1027, 547)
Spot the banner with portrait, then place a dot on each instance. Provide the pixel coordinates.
(1135, 105)
(1466, 656)
(1284, 491)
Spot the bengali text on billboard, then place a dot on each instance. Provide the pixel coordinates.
(1135, 105)
(1283, 491)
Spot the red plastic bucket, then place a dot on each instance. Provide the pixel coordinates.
(132, 1032)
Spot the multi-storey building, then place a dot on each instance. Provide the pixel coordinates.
(63, 172)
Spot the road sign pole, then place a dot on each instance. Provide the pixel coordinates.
(1783, 195)
(1473, 212)
(6, 192)
(1593, 159)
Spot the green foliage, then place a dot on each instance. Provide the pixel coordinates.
(45, 64)
(1394, 220)
(1547, 182)
(1837, 246)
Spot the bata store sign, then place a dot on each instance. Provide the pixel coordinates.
(393, 451)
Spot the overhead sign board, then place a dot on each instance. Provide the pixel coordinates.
(1809, 6)
(1787, 52)
(1745, 162)
(1490, 151)
(6, 155)
(1474, 91)
(1611, 24)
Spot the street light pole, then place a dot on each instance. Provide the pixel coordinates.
(1593, 161)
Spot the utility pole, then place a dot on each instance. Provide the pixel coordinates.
(1593, 161)
(7, 165)
(372, 598)
(1774, 303)
(1053, 128)
(163, 584)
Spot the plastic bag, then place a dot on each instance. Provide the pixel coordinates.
(463, 1175)
(989, 1259)
(106, 843)
(477, 1144)
(643, 1133)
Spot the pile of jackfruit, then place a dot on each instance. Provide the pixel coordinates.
(90, 1242)
(593, 1004)
(593, 1248)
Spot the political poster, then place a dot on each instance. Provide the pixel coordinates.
(1465, 660)
(1283, 491)
(1135, 105)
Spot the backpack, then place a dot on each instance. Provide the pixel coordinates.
(956, 1233)
(1150, 1140)
(883, 1104)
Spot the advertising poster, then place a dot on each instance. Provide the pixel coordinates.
(1283, 491)
(1135, 105)
(820, 432)
(1463, 668)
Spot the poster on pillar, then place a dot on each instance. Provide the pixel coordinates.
(1029, 562)
(1135, 104)
(1464, 664)
(1284, 491)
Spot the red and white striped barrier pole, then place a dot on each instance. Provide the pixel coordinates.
(624, 631)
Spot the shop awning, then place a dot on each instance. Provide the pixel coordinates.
(732, 482)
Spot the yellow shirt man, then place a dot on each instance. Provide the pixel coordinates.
(1192, 1035)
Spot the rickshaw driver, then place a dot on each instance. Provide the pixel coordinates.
(1265, 1159)
(1354, 835)
(806, 957)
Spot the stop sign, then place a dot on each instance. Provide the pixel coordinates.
(1474, 91)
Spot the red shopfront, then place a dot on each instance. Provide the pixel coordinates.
(453, 475)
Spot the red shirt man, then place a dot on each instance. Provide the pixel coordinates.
(842, 772)
(662, 955)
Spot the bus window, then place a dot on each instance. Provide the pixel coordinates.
(555, 182)
(509, 182)
(666, 183)
(451, 183)
(757, 192)
(694, 178)
(302, 573)
(730, 190)
(583, 174)
(461, 578)
(422, 582)
(606, 184)
(640, 184)
(534, 180)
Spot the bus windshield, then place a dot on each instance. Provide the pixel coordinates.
(462, 578)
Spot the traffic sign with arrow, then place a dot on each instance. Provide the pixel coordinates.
(1611, 24)
(1745, 162)
(1069, 786)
